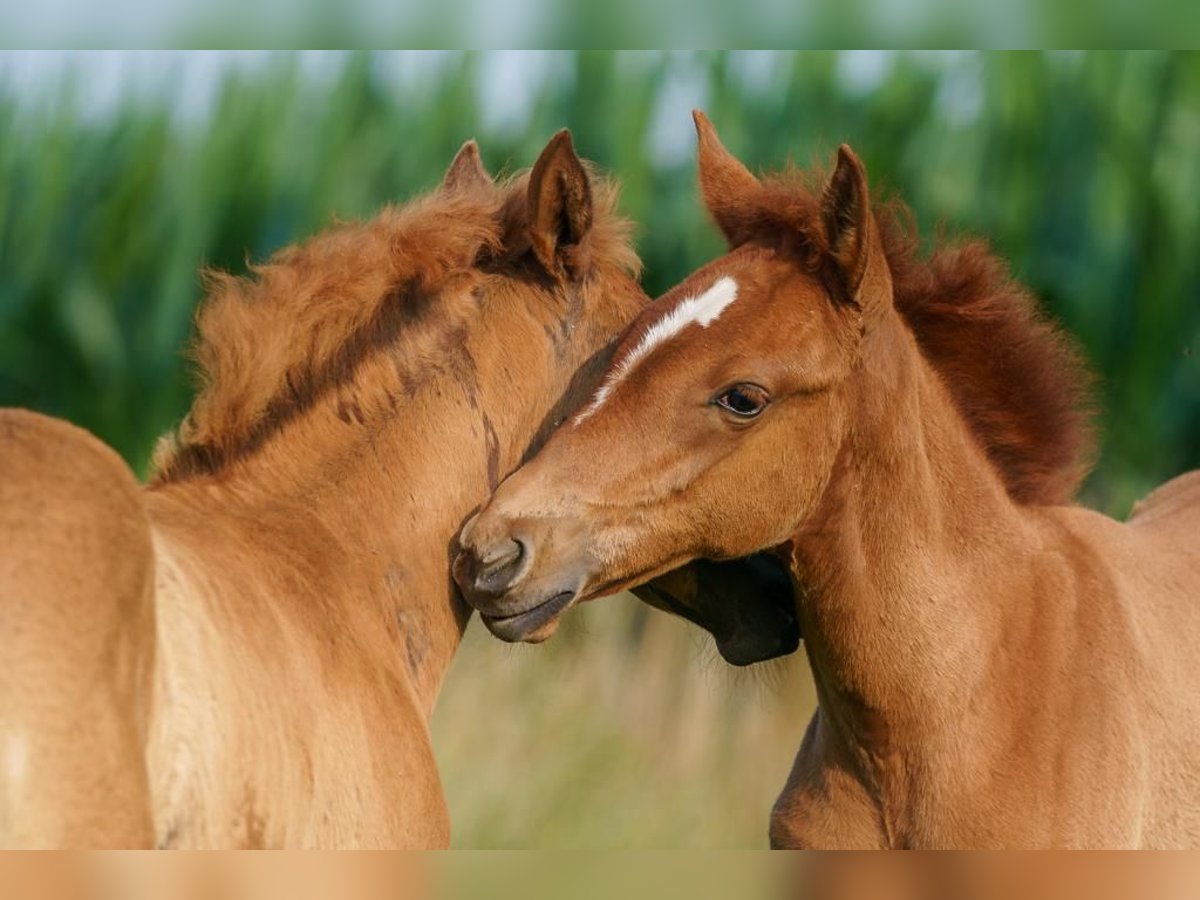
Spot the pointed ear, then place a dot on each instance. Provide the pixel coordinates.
(725, 183)
(560, 208)
(851, 234)
(466, 171)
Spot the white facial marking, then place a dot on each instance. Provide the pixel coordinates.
(702, 310)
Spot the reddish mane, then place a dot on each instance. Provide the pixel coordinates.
(1016, 377)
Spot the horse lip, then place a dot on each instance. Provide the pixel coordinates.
(518, 626)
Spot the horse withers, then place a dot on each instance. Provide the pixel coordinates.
(995, 666)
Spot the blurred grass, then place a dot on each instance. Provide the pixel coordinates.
(1084, 169)
(626, 730)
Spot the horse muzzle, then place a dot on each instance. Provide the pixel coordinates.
(497, 574)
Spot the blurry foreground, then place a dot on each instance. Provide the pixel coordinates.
(604, 876)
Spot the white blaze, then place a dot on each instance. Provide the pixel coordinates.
(701, 310)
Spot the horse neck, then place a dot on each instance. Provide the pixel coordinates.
(365, 512)
(909, 570)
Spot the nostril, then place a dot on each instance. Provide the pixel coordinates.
(499, 566)
(500, 554)
(464, 534)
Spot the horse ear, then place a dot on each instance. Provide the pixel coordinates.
(466, 171)
(850, 231)
(560, 208)
(725, 183)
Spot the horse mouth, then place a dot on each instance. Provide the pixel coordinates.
(530, 625)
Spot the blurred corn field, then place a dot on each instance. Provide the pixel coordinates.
(1082, 168)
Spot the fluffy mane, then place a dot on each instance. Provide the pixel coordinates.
(269, 344)
(1016, 378)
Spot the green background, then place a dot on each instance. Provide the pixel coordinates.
(1084, 169)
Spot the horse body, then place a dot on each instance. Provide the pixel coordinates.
(994, 666)
(282, 660)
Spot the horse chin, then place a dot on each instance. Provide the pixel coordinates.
(533, 625)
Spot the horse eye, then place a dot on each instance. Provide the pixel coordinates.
(743, 400)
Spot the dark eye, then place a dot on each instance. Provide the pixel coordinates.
(743, 400)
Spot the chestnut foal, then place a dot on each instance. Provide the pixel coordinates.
(995, 667)
(246, 652)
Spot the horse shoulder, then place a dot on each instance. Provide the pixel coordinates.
(280, 720)
(77, 631)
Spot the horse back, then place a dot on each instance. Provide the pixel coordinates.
(1174, 506)
(77, 637)
(1164, 569)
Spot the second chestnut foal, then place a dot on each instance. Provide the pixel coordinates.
(245, 653)
(995, 667)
